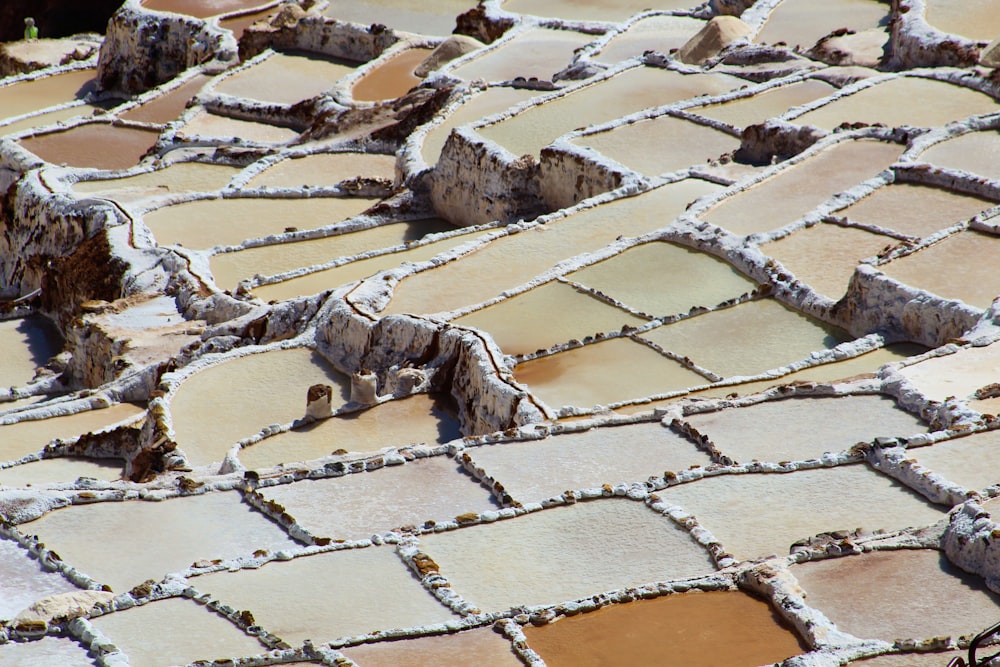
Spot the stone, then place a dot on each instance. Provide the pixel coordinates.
(719, 33)
(63, 607)
(990, 56)
(448, 50)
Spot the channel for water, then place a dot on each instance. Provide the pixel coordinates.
(798, 429)
(697, 629)
(534, 470)
(564, 553)
(260, 390)
(411, 420)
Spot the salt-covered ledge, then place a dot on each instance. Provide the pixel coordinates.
(143, 49)
(914, 43)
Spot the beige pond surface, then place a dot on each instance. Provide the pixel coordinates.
(959, 374)
(593, 10)
(48, 651)
(794, 191)
(391, 79)
(367, 503)
(533, 470)
(625, 93)
(126, 543)
(346, 273)
(655, 33)
(824, 256)
(432, 17)
(330, 595)
(231, 267)
(324, 169)
(416, 419)
(623, 277)
(756, 515)
(916, 210)
(286, 78)
(238, 24)
(179, 177)
(168, 106)
(196, 633)
(30, 437)
(514, 260)
(661, 145)
(204, 124)
(770, 103)
(483, 646)
(930, 103)
(121, 147)
(270, 386)
(488, 102)
(49, 118)
(27, 343)
(972, 461)
(537, 52)
(213, 222)
(978, 152)
(202, 8)
(564, 553)
(747, 339)
(28, 96)
(912, 659)
(804, 22)
(698, 629)
(50, 471)
(929, 596)
(22, 581)
(958, 267)
(545, 316)
(973, 19)
(804, 428)
(611, 371)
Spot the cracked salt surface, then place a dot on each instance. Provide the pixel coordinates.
(298, 417)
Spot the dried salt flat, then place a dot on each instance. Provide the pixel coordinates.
(37, 94)
(329, 595)
(434, 489)
(931, 103)
(174, 178)
(798, 429)
(625, 93)
(699, 629)
(545, 316)
(270, 386)
(22, 581)
(767, 104)
(564, 553)
(415, 419)
(929, 596)
(204, 124)
(660, 145)
(211, 222)
(957, 267)
(30, 436)
(126, 543)
(483, 646)
(972, 461)
(64, 469)
(54, 651)
(748, 338)
(959, 375)
(516, 259)
(268, 260)
(796, 190)
(122, 147)
(286, 78)
(320, 169)
(653, 33)
(592, 375)
(804, 22)
(534, 470)
(433, 17)
(825, 256)
(913, 209)
(976, 152)
(195, 633)
(974, 19)
(536, 52)
(760, 514)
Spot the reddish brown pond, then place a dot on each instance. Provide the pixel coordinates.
(391, 79)
(169, 106)
(120, 147)
(202, 8)
(711, 629)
